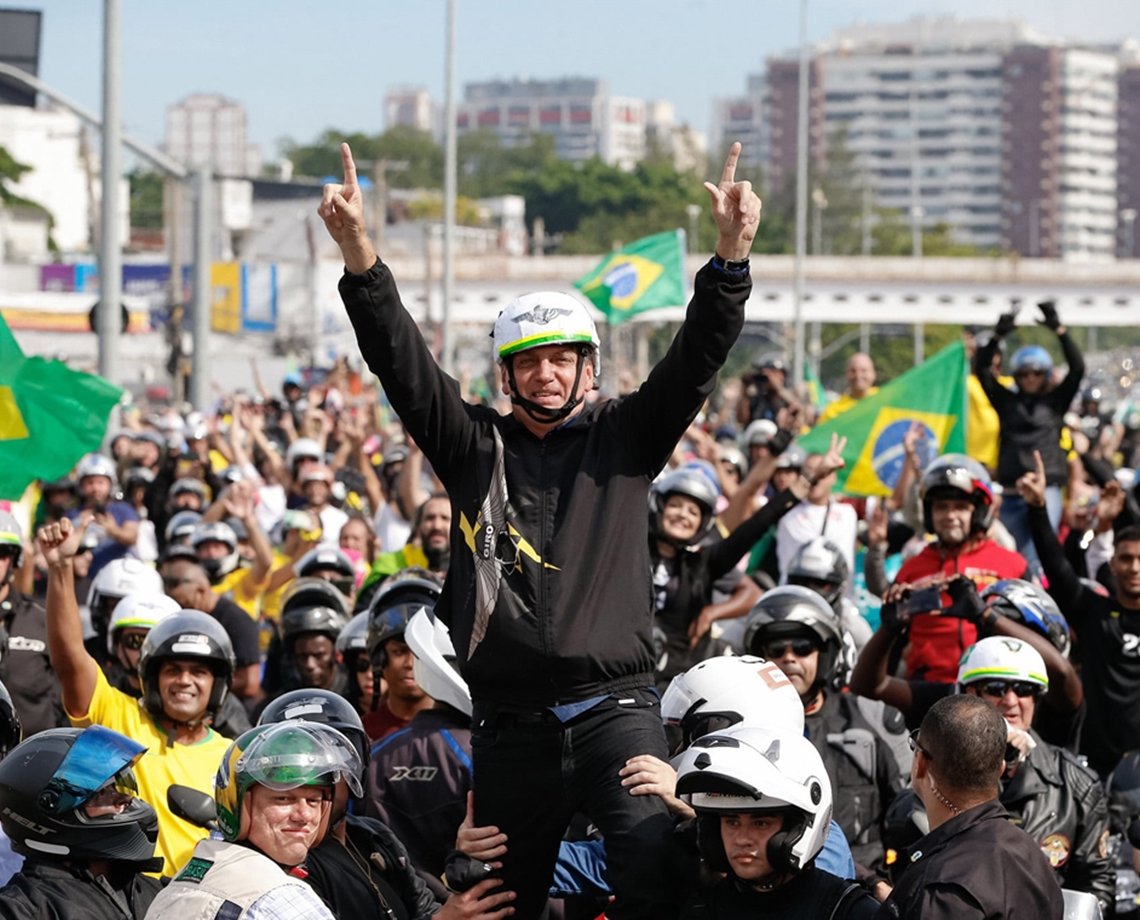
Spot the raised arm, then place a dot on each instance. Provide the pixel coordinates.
(342, 210)
(76, 669)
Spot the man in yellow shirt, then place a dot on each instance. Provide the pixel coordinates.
(860, 376)
(185, 667)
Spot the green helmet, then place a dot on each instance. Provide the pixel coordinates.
(282, 756)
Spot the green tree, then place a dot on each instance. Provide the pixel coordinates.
(11, 170)
(146, 199)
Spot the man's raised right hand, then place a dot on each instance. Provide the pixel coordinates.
(342, 210)
(59, 542)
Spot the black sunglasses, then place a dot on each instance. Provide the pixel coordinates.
(132, 641)
(999, 688)
(912, 740)
(776, 648)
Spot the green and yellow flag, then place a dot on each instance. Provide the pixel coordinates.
(50, 416)
(645, 275)
(932, 394)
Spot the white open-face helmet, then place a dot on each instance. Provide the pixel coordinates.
(121, 577)
(139, 611)
(741, 770)
(731, 690)
(545, 318)
(434, 666)
(1002, 658)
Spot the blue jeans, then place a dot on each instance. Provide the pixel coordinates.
(532, 773)
(1015, 517)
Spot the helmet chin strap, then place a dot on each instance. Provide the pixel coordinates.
(542, 414)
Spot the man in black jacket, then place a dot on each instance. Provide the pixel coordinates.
(549, 594)
(1107, 628)
(973, 862)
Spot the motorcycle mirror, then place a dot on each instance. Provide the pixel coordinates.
(192, 805)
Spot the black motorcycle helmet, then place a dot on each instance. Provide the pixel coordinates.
(398, 600)
(313, 592)
(46, 781)
(958, 476)
(323, 707)
(188, 634)
(790, 611)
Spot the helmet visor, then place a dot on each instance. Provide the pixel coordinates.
(323, 758)
(99, 758)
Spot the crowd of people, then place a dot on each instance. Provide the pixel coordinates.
(390, 650)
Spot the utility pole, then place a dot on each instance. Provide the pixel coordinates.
(200, 376)
(107, 317)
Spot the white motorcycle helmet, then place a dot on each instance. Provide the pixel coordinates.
(545, 318)
(302, 448)
(96, 465)
(1002, 658)
(436, 674)
(117, 579)
(725, 691)
(754, 770)
(139, 611)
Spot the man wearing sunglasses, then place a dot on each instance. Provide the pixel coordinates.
(1032, 417)
(1052, 796)
(69, 802)
(796, 629)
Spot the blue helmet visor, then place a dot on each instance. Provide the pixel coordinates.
(98, 758)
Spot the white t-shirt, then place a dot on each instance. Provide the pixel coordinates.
(835, 520)
(391, 529)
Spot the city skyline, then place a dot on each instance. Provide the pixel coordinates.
(337, 80)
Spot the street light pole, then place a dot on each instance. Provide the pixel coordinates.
(801, 202)
(447, 346)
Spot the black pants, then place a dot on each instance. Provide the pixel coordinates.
(532, 773)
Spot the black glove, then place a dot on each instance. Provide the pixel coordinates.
(1049, 317)
(891, 618)
(1005, 325)
(966, 604)
(779, 442)
(461, 871)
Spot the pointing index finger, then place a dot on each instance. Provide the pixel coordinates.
(349, 165)
(729, 174)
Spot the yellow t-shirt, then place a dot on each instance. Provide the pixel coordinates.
(841, 405)
(271, 600)
(243, 589)
(161, 766)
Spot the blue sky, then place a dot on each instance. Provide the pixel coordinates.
(301, 66)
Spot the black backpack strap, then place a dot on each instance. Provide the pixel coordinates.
(852, 886)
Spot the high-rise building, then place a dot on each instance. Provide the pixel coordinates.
(411, 107)
(1003, 135)
(207, 130)
(579, 113)
(1128, 154)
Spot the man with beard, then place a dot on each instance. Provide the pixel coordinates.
(429, 548)
(797, 630)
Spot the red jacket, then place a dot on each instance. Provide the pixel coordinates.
(936, 642)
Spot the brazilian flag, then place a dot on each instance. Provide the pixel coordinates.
(50, 416)
(932, 395)
(645, 275)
